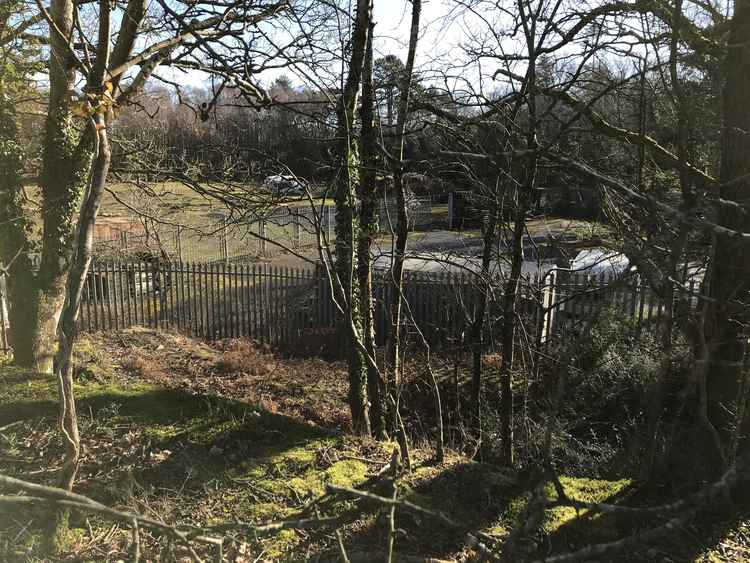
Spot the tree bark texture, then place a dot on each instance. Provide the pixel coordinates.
(728, 318)
(347, 223)
(368, 226)
(402, 232)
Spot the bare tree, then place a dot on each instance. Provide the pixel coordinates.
(368, 221)
(347, 222)
(402, 227)
(76, 158)
(72, 136)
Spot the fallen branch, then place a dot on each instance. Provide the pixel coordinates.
(405, 504)
(183, 534)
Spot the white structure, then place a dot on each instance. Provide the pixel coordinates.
(280, 184)
(597, 261)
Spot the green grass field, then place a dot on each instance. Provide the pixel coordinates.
(188, 225)
(162, 212)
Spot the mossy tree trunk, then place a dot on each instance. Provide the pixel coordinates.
(351, 325)
(76, 282)
(15, 243)
(368, 220)
(97, 131)
(36, 290)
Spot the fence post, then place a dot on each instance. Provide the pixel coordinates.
(450, 210)
(3, 315)
(548, 314)
(633, 296)
(224, 240)
(329, 223)
(178, 243)
(296, 231)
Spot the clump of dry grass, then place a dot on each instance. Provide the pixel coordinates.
(143, 367)
(241, 356)
(309, 388)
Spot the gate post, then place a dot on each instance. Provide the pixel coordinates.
(548, 313)
(263, 235)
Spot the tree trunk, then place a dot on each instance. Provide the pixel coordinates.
(657, 391)
(94, 141)
(347, 224)
(402, 229)
(368, 225)
(510, 298)
(76, 282)
(523, 196)
(489, 240)
(32, 317)
(66, 161)
(728, 317)
(33, 311)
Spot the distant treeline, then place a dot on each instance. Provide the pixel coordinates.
(214, 134)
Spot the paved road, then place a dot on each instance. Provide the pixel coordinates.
(443, 250)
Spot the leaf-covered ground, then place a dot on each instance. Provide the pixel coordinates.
(204, 434)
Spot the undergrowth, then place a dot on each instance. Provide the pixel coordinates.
(203, 434)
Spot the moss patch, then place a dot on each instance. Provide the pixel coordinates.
(586, 490)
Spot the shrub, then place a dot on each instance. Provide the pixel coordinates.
(610, 368)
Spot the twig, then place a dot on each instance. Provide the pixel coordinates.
(11, 425)
(392, 523)
(405, 504)
(342, 549)
(136, 541)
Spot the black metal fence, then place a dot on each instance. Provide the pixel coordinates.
(284, 306)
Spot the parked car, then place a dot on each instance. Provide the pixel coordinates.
(284, 185)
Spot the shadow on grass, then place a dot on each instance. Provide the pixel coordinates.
(474, 495)
(707, 532)
(206, 436)
(189, 457)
